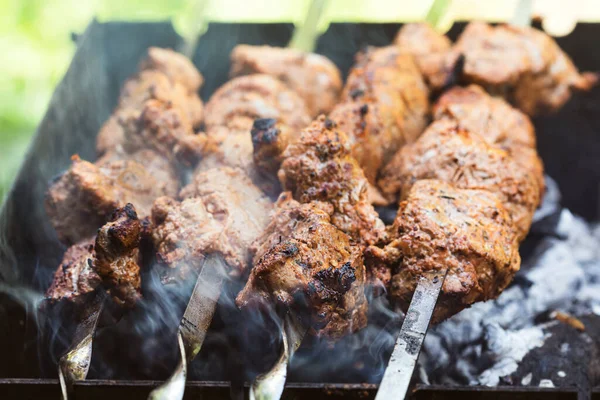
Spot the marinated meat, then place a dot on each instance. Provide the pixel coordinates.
(451, 154)
(466, 231)
(75, 277)
(84, 197)
(320, 167)
(159, 126)
(236, 104)
(155, 85)
(117, 259)
(302, 255)
(429, 49)
(522, 64)
(312, 76)
(496, 121)
(221, 212)
(111, 259)
(385, 106)
(175, 65)
(269, 141)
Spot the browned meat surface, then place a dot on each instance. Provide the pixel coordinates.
(429, 49)
(175, 65)
(221, 212)
(467, 231)
(84, 197)
(159, 126)
(301, 254)
(111, 259)
(451, 154)
(496, 121)
(269, 141)
(312, 76)
(236, 104)
(75, 277)
(117, 260)
(320, 167)
(155, 85)
(522, 64)
(386, 106)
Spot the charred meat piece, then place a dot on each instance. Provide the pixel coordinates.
(302, 260)
(466, 231)
(157, 125)
(495, 121)
(117, 260)
(320, 167)
(112, 259)
(236, 104)
(452, 154)
(429, 49)
(314, 77)
(75, 277)
(84, 197)
(385, 106)
(221, 212)
(269, 141)
(522, 64)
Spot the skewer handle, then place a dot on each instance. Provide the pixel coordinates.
(75, 364)
(270, 385)
(397, 376)
(194, 325)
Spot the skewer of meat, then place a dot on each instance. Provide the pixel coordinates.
(520, 63)
(226, 182)
(142, 147)
(449, 234)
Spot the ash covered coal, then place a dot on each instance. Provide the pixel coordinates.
(488, 343)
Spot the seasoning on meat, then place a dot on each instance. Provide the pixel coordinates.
(312, 76)
(303, 260)
(451, 154)
(222, 211)
(84, 197)
(320, 167)
(439, 226)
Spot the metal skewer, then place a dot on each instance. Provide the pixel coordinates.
(194, 324)
(269, 386)
(75, 364)
(397, 376)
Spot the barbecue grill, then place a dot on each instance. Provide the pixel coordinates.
(107, 53)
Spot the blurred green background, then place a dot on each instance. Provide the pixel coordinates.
(35, 39)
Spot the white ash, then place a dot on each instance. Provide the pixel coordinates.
(486, 342)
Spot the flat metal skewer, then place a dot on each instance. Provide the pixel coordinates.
(75, 364)
(194, 324)
(270, 385)
(397, 376)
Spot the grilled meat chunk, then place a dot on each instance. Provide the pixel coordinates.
(320, 167)
(496, 121)
(176, 66)
(451, 154)
(314, 77)
(75, 277)
(302, 255)
(385, 106)
(429, 49)
(240, 101)
(159, 126)
(155, 85)
(111, 259)
(221, 212)
(522, 64)
(84, 197)
(466, 231)
(269, 141)
(117, 260)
